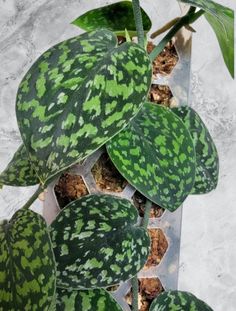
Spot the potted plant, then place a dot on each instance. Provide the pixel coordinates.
(81, 94)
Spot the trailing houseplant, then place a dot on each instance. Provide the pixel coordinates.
(79, 95)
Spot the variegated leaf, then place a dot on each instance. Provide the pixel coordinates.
(27, 265)
(78, 95)
(221, 20)
(178, 301)
(207, 161)
(85, 300)
(19, 171)
(155, 153)
(116, 17)
(97, 243)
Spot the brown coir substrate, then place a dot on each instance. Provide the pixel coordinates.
(161, 95)
(159, 247)
(149, 289)
(165, 61)
(69, 188)
(107, 176)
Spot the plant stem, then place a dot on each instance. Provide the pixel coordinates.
(187, 19)
(134, 283)
(33, 198)
(134, 280)
(138, 22)
(195, 16)
(147, 211)
(191, 10)
(165, 27)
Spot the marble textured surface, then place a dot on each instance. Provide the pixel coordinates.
(208, 252)
(208, 248)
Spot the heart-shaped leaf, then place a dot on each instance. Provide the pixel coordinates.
(27, 265)
(155, 153)
(97, 243)
(19, 171)
(221, 20)
(85, 300)
(207, 161)
(116, 17)
(78, 95)
(178, 300)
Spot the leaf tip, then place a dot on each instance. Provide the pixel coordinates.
(73, 22)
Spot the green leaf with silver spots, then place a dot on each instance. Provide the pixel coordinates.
(77, 96)
(207, 161)
(155, 153)
(85, 300)
(221, 19)
(27, 265)
(116, 17)
(97, 242)
(19, 171)
(178, 301)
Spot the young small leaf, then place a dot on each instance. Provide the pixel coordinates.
(27, 265)
(155, 153)
(97, 243)
(78, 95)
(207, 161)
(85, 300)
(19, 171)
(221, 20)
(178, 300)
(116, 17)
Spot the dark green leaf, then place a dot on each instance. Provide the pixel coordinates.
(155, 153)
(116, 17)
(85, 300)
(27, 265)
(78, 95)
(19, 171)
(207, 161)
(97, 243)
(178, 301)
(221, 20)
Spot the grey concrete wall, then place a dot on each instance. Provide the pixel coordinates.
(208, 251)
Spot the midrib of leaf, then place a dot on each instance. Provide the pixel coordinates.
(145, 139)
(219, 19)
(222, 23)
(36, 173)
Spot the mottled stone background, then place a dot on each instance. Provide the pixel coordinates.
(208, 247)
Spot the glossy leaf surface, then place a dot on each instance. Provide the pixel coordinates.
(155, 153)
(19, 171)
(85, 300)
(78, 95)
(97, 243)
(221, 20)
(27, 265)
(178, 300)
(207, 161)
(116, 17)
